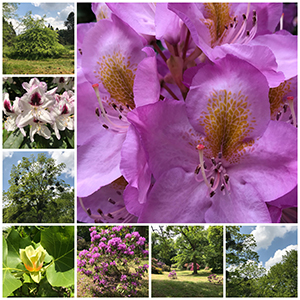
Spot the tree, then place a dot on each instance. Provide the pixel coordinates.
(281, 280)
(66, 37)
(37, 41)
(9, 33)
(239, 252)
(239, 247)
(37, 194)
(163, 246)
(214, 256)
(244, 280)
(191, 244)
(9, 10)
(69, 23)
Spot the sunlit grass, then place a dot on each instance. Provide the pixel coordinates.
(186, 285)
(64, 65)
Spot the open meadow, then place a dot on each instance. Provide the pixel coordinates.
(62, 65)
(186, 285)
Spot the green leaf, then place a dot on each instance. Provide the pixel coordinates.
(14, 244)
(10, 283)
(59, 243)
(14, 140)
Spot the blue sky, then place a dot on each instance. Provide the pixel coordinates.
(272, 241)
(56, 13)
(13, 157)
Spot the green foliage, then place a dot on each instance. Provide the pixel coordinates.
(241, 280)
(66, 37)
(163, 246)
(59, 244)
(37, 43)
(248, 278)
(37, 194)
(282, 279)
(191, 244)
(9, 33)
(9, 9)
(239, 247)
(214, 256)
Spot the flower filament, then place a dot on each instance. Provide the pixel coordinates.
(213, 177)
(116, 120)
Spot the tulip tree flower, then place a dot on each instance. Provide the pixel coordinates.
(33, 260)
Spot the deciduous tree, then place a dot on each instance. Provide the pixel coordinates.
(37, 193)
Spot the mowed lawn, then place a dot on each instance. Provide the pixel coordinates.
(63, 65)
(186, 285)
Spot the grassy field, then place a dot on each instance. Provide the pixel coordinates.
(63, 65)
(186, 285)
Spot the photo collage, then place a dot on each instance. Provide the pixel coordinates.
(141, 150)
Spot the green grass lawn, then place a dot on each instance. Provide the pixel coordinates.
(63, 65)
(186, 285)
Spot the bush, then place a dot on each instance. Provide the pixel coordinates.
(213, 278)
(166, 268)
(172, 275)
(110, 259)
(37, 43)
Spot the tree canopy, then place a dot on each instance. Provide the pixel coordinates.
(191, 246)
(246, 277)
(36, 41)
(37, 194)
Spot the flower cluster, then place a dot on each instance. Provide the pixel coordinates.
(41, 109)
(189, 110)
(191, 266)
(172, 275)
(114, 261)
(213, 278)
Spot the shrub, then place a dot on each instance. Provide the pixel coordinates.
(110, 259)
(191, 266)
(213, 278)
(172, 275)
(36, 43)
(166, 268)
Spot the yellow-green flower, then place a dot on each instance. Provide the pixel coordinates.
(33, 259)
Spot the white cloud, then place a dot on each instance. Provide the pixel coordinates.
(278, 256)
(264, 235)
(50, 6)
(61, 17)
(66, 157)
(36, 4)
(8, 154)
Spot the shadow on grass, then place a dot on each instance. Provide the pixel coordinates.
(175, 288)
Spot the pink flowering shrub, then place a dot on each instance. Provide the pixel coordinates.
(191, 267)
(172, 275)
(113, 261)
(213, 278)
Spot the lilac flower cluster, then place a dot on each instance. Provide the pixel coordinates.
(191, 113)
(39, 107)
(113, 261)
(172, 275)
(213, 278)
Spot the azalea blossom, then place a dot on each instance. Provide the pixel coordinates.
(200, 126)
(114, 86)
(223, 158)
(39, 109)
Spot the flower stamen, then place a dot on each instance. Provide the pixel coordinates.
(290, 100)
(108, 118)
